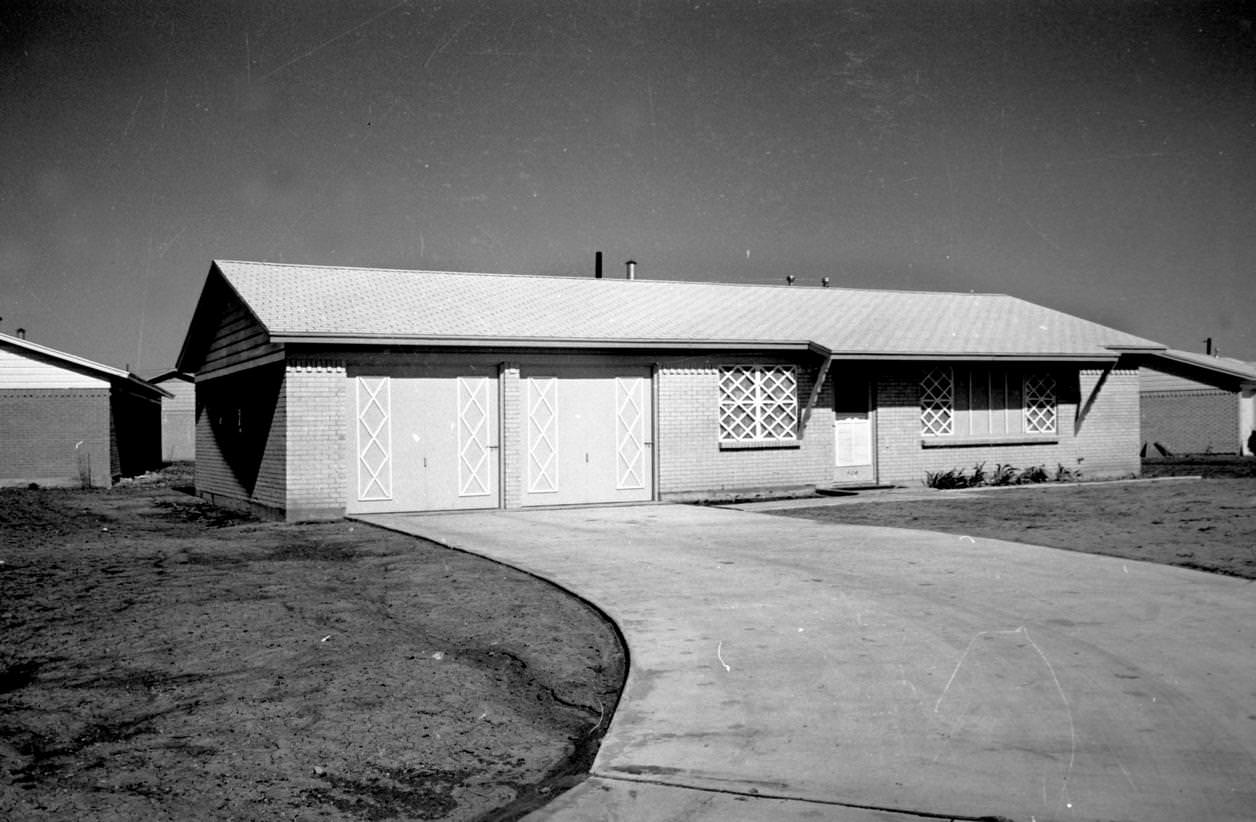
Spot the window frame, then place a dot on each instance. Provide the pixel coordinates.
(765, 413)
(943, 422)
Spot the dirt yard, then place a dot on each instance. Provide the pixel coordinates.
(1208, 524)
(163, 659)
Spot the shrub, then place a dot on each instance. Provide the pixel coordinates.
(1063, 474)
(946, 480)
(1003, 475)
(1032, 475)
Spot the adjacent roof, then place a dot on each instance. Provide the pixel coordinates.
(1223, 365)
(81, 364)
(304, 303)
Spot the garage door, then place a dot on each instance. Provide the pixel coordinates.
(423, 443)
(587, 436)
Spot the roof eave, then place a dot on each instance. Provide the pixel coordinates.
(356, 340)
(977, 356)
(1195, 363)
(107, 371)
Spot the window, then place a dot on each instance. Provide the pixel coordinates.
(981, 403)
(758, 404)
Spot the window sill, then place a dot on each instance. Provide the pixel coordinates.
(759, 445)
(972, 442)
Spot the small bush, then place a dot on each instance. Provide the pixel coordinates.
(1032, 475)
(946, 480)
(1063, 474)
(1003, 475)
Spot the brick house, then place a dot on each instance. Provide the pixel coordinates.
(1197, 404)
(322, 391)
(68, 421)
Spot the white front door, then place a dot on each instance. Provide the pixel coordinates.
(852, 431)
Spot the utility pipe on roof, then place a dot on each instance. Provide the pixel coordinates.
(632, 269)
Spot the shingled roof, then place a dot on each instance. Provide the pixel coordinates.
(304, 303)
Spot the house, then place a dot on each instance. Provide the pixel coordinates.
(1197, 404)
(68, 421)
(322, 391)
(178, 416)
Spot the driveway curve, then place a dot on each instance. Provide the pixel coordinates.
(787, 669)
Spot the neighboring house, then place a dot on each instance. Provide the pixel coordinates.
(1198, 404)
(68, 421)
(323, 391)
(178, 416)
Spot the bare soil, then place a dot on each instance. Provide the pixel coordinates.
(1208, 524)
(164, 659)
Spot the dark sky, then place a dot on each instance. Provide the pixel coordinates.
(1094, 157)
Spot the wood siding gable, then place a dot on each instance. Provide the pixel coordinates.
(21, 369)
(225, 335)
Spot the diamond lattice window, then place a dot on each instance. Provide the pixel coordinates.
(937, 403)
(1040, 411)
(758, 403)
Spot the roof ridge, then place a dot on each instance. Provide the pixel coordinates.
(539, 276)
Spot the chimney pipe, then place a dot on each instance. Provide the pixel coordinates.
(824, 281)
(1208, 346)
(21, 333)
(597, 265)
(789, 279)
(632, 269)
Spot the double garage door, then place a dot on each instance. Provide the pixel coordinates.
(433, 441)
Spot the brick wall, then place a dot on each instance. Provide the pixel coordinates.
(55, 436)
(690, 459)
(512, 436)
(1108, 437)
(1191, 422)
(317, 451)
(1102, 443)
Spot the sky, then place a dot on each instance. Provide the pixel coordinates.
(1095, 157)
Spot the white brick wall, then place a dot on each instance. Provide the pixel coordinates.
(317, 457)
(687, 442)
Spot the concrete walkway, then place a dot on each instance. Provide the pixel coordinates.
(785, 669)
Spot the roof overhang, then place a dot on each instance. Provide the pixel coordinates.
(951, 356)
(357, 340)
(116, 376)
(1228, 373)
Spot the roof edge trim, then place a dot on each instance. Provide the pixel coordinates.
(898, 356)
(548, 342)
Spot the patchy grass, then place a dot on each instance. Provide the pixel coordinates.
(1208, 524)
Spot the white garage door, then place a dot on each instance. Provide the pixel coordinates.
(423, 443)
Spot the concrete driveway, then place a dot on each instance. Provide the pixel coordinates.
(786, 669)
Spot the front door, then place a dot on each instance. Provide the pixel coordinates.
(852, 432)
